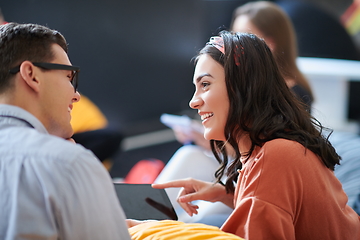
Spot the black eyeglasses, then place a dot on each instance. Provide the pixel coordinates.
(54, 66)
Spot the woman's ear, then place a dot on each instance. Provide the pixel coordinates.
(29, 74)
(271, 43)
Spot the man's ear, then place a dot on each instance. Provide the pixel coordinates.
(29, 74)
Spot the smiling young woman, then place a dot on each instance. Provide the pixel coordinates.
(281, 182)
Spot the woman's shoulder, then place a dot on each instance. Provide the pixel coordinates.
(282, 144)
(285, 150)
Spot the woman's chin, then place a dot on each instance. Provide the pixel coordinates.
(208, 135)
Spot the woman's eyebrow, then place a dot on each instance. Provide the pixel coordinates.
(201, 76)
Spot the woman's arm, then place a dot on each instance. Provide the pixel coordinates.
(193, 189)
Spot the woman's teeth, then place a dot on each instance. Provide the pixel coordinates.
(206, 115)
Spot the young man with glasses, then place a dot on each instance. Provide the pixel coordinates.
(50, 188)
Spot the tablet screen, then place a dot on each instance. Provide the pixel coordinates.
(142, 202)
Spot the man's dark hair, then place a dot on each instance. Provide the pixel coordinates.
(21, 42)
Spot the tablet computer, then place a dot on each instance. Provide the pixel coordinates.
(142, 202)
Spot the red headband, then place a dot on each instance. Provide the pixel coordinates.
(218, 43)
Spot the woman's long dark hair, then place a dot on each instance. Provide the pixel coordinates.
(261, 105)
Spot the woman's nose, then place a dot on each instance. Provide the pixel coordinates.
(195, 102)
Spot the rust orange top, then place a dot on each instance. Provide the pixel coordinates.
(284, 191)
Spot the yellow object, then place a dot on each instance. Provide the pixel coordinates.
(174, 230)
(108, 163)
(86, 116)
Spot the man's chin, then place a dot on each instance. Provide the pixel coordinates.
(71, 140)
(63, 134)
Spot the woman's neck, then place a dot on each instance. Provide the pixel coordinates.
(244, 144)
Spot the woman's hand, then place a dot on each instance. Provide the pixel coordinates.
(193, 189)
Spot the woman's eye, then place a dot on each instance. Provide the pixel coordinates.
(204, 84)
